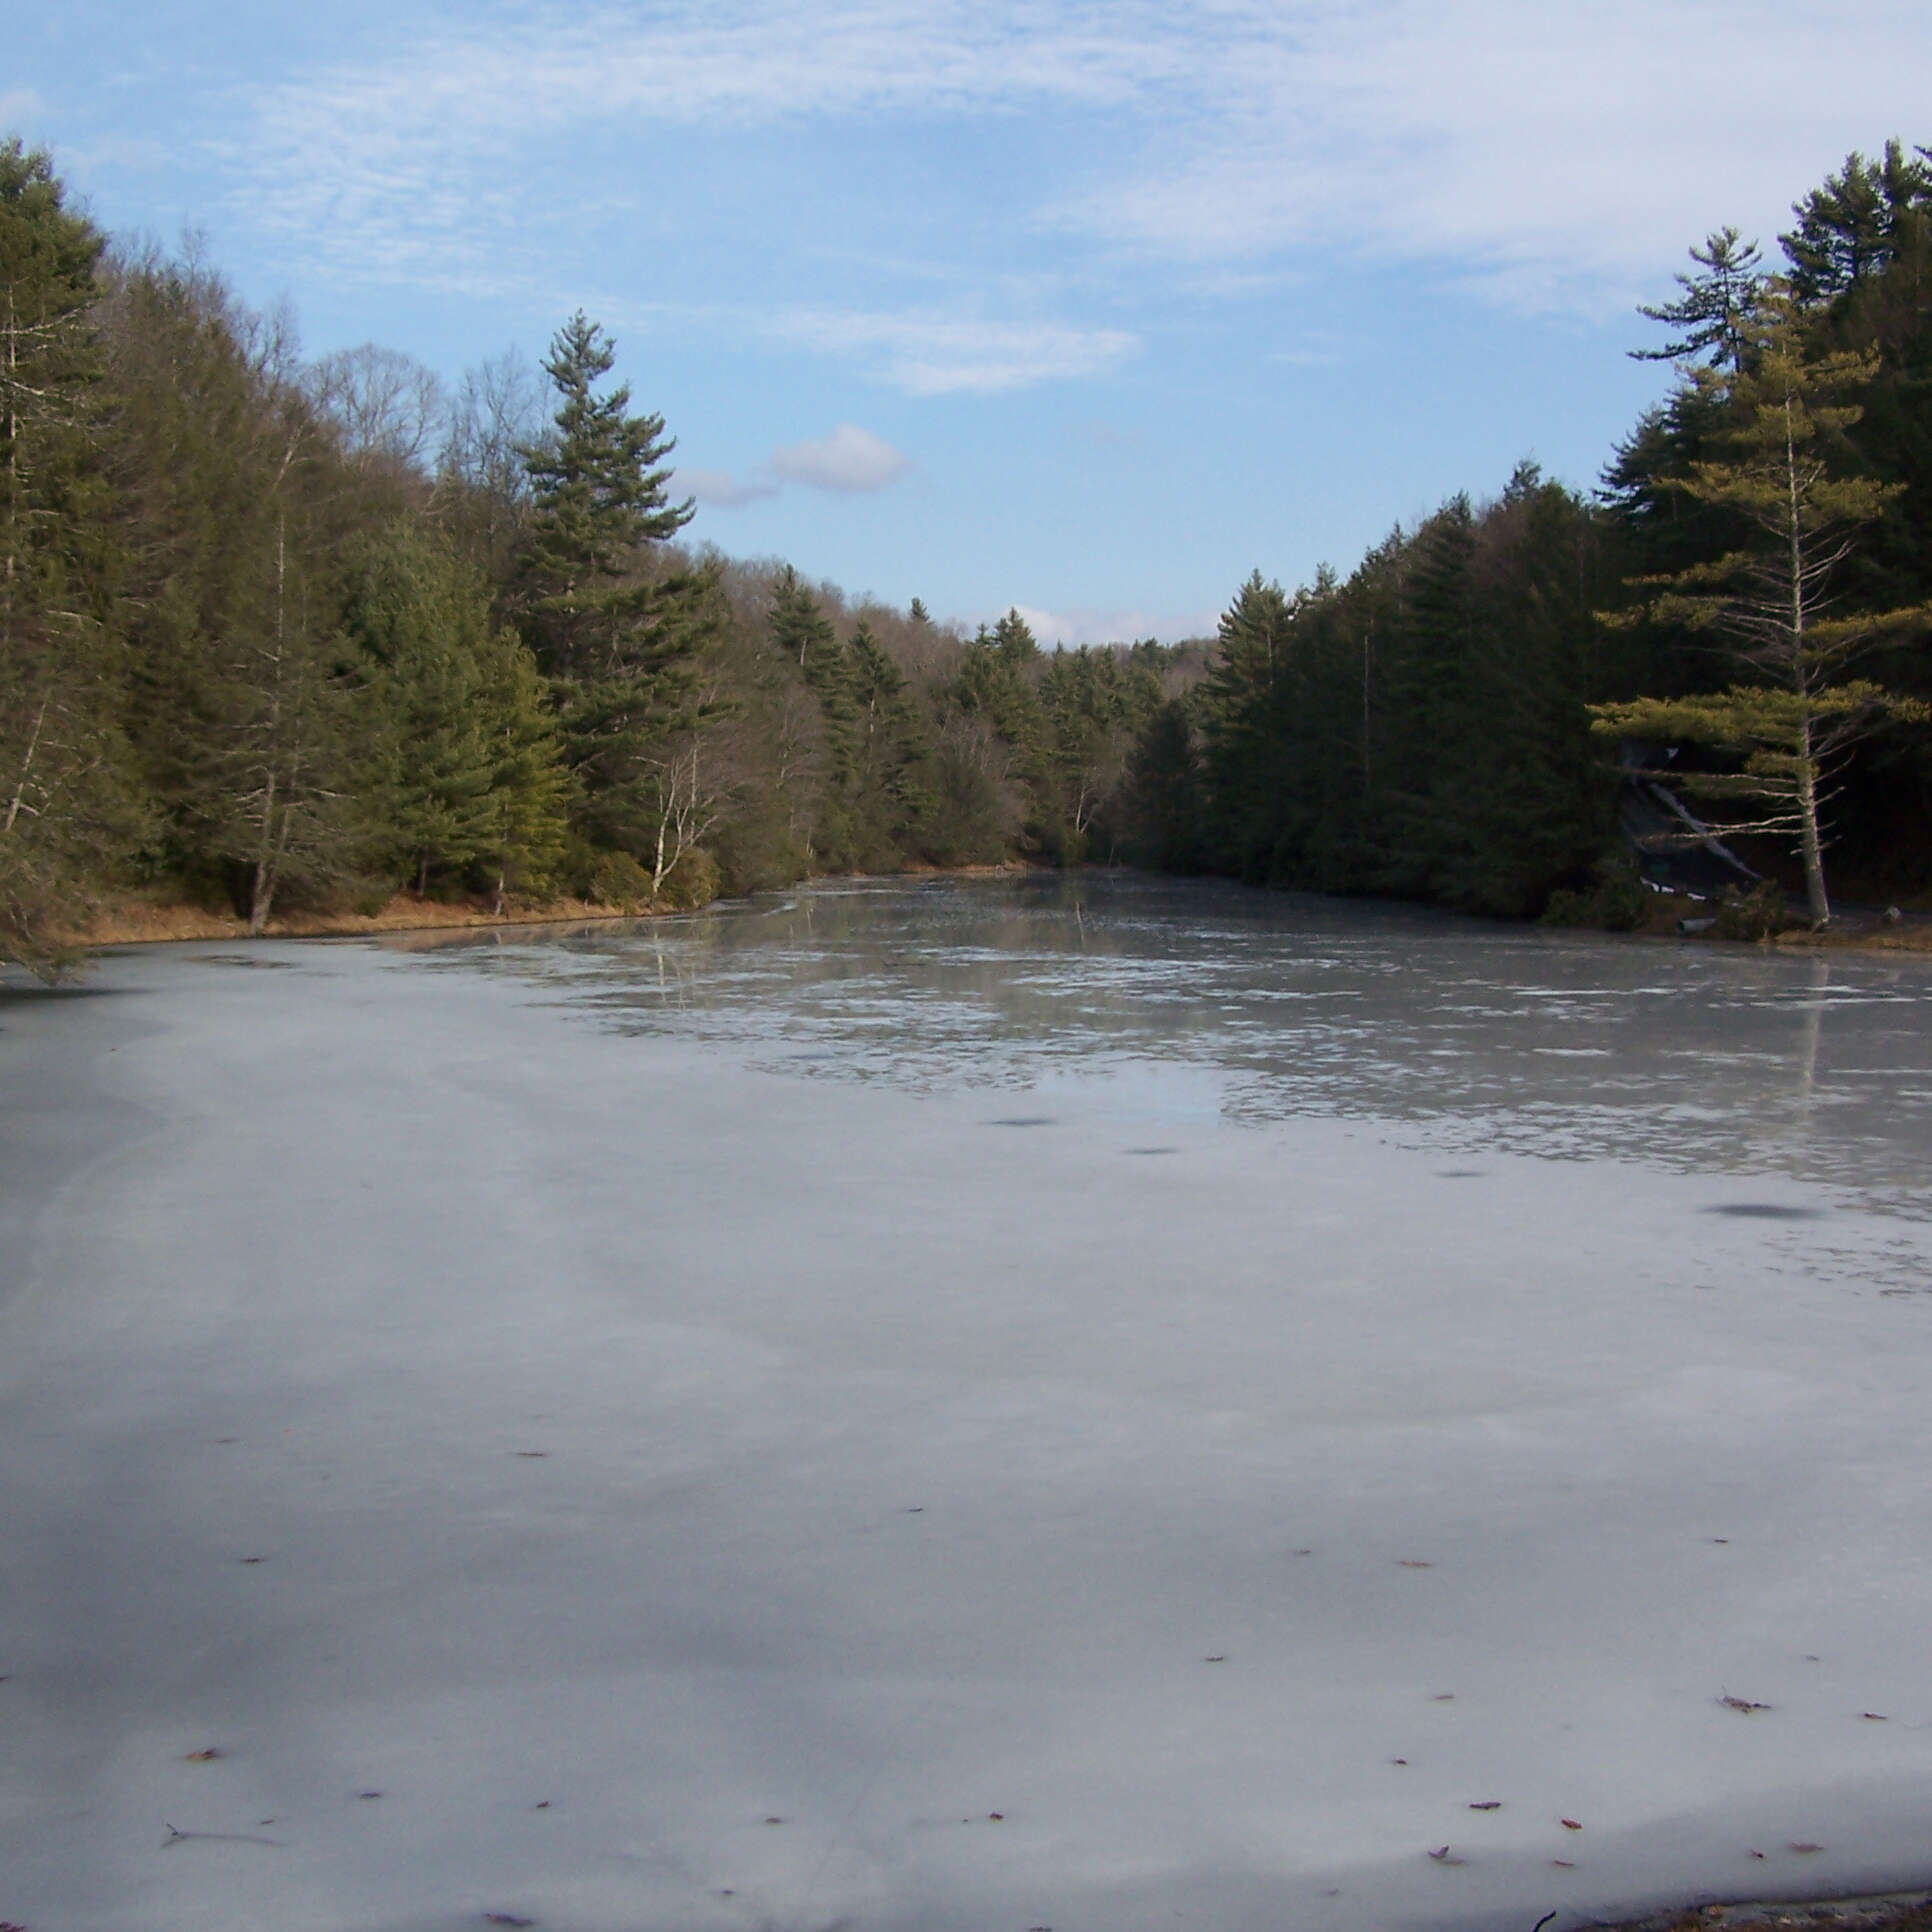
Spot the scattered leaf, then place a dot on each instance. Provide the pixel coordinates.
(1443, 1697)
(1562, 1864)
(1301, 1552)
(1412, 1563)
(998, 1817)
(1798, 1845)
(774, 1821)
(1221, 1659)
(1757, 1854)
(1443, 1857)
(1720, 1539)
(254, 1559)
(505, 1918)
(918, 1509)
(202, 1757)
(1741, 1704)
(1398, 1760)
(542, 1804)
(368, 1794)
(1569, 1824)
(1487, 1804)
(532, 1455)
(1875, 1717)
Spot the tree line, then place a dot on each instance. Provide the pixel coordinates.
(284, 634)
(1741, 610)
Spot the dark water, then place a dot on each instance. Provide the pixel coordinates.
(1257, 1006)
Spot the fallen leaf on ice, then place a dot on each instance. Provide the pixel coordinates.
(1443, 1697)
(998, 1817)
(1741, 1704)
(774, 1821)
(1876, 1717)
(1562, 1864)
(1221, 1659)
(1398, 1760)
(1443, 1857)
(1796, 1846)
(1412, 1563)
(202, 1757)
(1569, 1824)
(1487, 1804)
(505, 1918)
(368, 1794)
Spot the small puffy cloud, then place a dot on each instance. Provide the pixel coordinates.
(850, 458)
(720, 489)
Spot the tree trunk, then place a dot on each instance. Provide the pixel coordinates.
(1810, 844)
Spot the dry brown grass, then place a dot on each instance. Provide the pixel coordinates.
(142, 922)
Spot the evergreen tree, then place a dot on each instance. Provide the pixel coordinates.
(891, 755)
(1161, 807)
(618, 630)
(1786, 478)
(1852, 227)
(1244, 709)
(244, 512)
(1716, 307)
(464, 771)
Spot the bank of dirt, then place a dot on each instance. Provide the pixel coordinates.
(1891, 1912)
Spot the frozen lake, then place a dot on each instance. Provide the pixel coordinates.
(1092, 1404)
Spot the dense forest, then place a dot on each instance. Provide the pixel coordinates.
(278, 633)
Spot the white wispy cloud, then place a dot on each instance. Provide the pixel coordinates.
(1552, 151)
(927, 354)
(1555, 154)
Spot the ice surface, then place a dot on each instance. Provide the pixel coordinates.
(1133, 1359)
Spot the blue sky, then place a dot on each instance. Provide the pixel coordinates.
(1090, 309)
